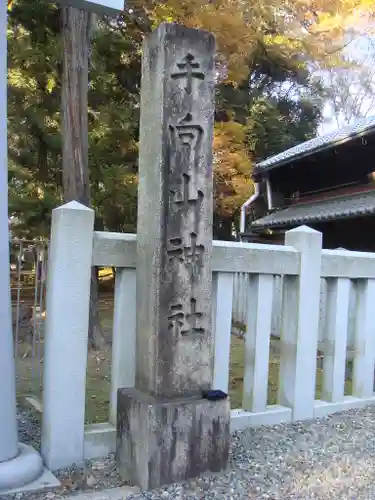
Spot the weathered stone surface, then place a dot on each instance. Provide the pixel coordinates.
(161, 441)
(165, 431)
(174, 237)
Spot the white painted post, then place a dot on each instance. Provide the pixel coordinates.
(8, 419)
(237, 296)
(322, 309)
(124, 336)
(245, 290)
(276, 307)
(235, 306)
(222, 300)
(352, 318)
(364, 340)
(335, 338)
(257, 343)
(66, 337)
(241, 293)
(19, 464)
(299, 336)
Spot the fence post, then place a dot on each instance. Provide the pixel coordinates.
(364, 343)
(299, 337)
(124, 337)
(66, 332)
(222, 303)
(335, 339)
(257, 342)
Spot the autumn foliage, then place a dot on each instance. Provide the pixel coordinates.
(267, 98)
(312, 29)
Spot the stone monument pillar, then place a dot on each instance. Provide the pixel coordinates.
(167, 430)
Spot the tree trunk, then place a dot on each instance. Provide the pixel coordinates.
(76, 32)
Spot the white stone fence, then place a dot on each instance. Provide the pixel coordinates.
(240, 307)
(302, 263)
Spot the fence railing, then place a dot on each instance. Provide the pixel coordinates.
(28, 273)
(240, 306)
(288, 363)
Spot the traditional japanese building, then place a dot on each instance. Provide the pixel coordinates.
(326, 183)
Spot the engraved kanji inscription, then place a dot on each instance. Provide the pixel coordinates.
(186, 139)
(185, 323)
(191, 255)
(176, 319)
(189, 69)
(186, 142)
(175, 251)
(186, 197)
(193, 319)
(194, 254)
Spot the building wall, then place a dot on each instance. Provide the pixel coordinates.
(352, 234)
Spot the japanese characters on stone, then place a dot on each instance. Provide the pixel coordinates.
(185, 251)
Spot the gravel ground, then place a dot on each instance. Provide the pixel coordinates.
(29, 427)
(328, 459)
(96, 475)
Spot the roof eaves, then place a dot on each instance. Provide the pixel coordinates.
(276, 219)
(293, 221)
(268, 164)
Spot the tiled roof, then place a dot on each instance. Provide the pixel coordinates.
(335, 208)
(362, 127)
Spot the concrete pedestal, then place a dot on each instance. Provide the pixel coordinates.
(162, 441)
(21, 470)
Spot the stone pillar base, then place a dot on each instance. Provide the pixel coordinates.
(23, 469)
(162, 441)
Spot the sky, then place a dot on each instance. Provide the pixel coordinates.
(361, 50)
